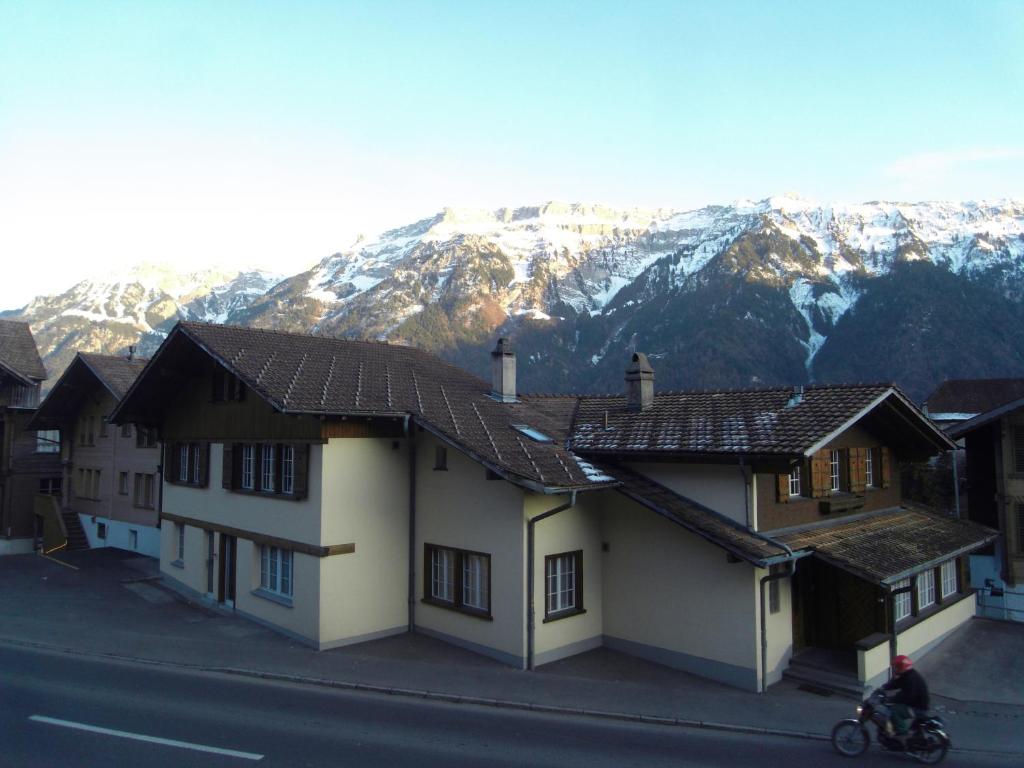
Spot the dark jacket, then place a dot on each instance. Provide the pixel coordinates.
(909, 688)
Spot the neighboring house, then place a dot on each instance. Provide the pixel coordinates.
(990, 424)
(29, 461)
(340, 490)
(111, 483)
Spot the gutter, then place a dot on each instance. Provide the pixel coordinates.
(530, 612)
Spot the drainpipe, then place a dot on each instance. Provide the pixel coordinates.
(893, 635)
(530, 621)
(956, 486)
(409, 430)
(764, 619)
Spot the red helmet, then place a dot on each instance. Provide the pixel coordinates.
(901, 664)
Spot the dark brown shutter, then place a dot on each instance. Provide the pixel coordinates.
(886, 466)
(301, 470)
(782, 487)
(820, 483)
(204, 464)
(228, 466)
(857, 470)
(170, 462)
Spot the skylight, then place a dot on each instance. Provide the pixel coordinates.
(535, 435)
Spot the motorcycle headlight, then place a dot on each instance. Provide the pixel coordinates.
(859, 711)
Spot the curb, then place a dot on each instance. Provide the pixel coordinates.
(454, 698)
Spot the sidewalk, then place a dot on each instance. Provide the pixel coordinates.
(112, 605)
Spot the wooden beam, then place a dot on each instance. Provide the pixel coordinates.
(315, 550)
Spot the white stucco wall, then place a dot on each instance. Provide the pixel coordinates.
(119, 535)
(577, 528)
(779, 625)
(673, 598)
(722, 488)
(460, 508)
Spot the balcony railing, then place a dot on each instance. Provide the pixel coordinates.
(20, 396)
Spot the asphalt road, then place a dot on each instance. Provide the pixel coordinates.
(69, 711)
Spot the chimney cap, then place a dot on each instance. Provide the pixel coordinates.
(503, 347)
(640, 364)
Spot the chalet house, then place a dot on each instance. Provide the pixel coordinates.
(340, 491)
(111, 473)
(987, 417)
(29, 461)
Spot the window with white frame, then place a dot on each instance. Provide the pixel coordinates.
(276, 570)
(48, 441)
(947, 575)
(249, 467)
(458, 579)
(183, 462)
(901, 601)
(267, 468)
(925, 589)
(122, 483)
(794, 481)
(179, 542)
(869, 467)
(145, 490)
(563, 581)
(833, 469)
(287, 469)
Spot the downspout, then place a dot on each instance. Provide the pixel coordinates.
(530, 621)
(764, 619)
(408, 429)
(956, 486)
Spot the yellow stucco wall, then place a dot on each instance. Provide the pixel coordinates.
(722, 488)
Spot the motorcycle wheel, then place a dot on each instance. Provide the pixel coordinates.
(930, 747)
(850, 738)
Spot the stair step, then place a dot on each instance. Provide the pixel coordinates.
(844, 685)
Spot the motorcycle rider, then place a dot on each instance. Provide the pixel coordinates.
(910, 693)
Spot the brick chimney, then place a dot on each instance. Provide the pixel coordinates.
(639, 383)
(503, 372)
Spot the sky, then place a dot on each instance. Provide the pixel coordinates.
(272, 134)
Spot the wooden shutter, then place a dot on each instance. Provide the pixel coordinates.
(301, 471)
(204, 464)
(228, 466)
(820, 483)
(856, 459)
(171, 462)
(886, 462)
(782, 487)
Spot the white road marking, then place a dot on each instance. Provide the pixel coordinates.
(142, 737)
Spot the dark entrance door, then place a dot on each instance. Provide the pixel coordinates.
(226, 581)
(832, 608)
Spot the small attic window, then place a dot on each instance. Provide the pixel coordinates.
(535, 435)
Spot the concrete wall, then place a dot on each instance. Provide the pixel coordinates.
(460, 508)
(671, 597)
(722, 488)
(924, 635)
(119, 535)
(577, 528)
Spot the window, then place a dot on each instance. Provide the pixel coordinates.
(179, 542)
(48, 441)
(188, 463)
(103, 425)
(276, 570)
(122, 483)
(925, 589)
(51, 486)
(267, 468)
(133, 538)
(947, 575)
(126, 430)
(440, 458)
(458, 579)
(563, 584)
(249, 467)
(145, 437)
(183, 463)
(869, 467)
(833, 470)
(227, 387)
(901, 601)
(144, 490)
(288, 469)
(794, 481)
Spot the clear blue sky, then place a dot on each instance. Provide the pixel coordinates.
(272, 132)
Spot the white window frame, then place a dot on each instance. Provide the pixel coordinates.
(179, 530)
(562, 573)
(476, 581)
(925, 589)
(249, 467)
(288, 469)
(869, 468)
(196, 468)
(267, 468)
(48, 441)
(277, 573)
(901, 603)
(794, 481)
(833, 470)
(947, 576)
(442, 574)
(183, 462)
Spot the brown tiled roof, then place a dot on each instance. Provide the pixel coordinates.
(885, 547)
(761, 421)
(705, 522)
(320, 375)
(116, 373)
(19, 355)
(973, 395)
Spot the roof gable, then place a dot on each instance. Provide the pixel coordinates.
(85, 373)
(19, 355)
(973, 396)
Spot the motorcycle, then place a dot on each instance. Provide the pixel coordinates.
(926, 741)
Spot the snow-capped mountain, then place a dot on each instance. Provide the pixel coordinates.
(782, 290)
